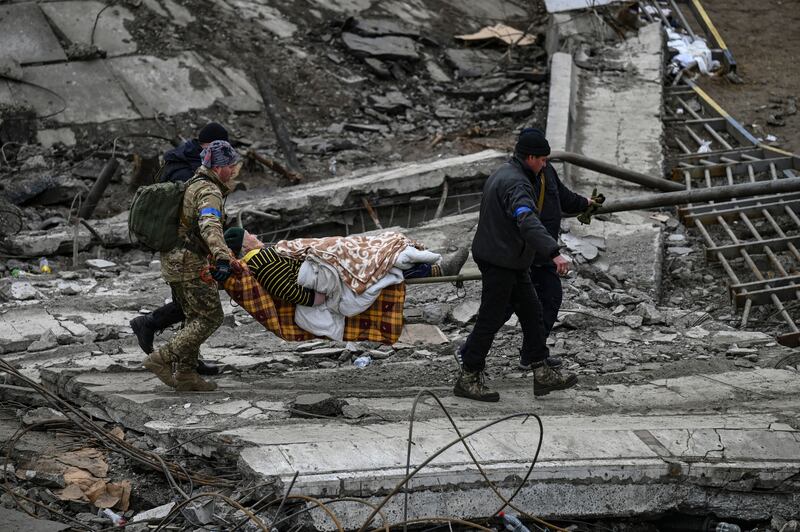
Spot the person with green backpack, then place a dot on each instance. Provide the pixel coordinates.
(180, 164)
(199, 235)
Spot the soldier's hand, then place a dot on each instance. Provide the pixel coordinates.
(562, 264)
(221, 271)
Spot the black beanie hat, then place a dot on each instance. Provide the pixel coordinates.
(211, 132)
(234, 238)
(532, 142)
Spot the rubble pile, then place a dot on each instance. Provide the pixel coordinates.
(432, 93)
(355, 86)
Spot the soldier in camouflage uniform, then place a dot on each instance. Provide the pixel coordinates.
(201, 229)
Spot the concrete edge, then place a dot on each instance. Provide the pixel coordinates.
(562, 107)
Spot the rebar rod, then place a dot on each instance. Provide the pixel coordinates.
(670, 199)
(605, 168)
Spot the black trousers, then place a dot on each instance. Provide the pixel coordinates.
(500, 289)
(168, 314)
(547, 284)
(548, 287)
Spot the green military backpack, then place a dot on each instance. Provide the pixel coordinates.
(155, 215)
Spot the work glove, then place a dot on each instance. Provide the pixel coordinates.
(596, 200)
(221, 271)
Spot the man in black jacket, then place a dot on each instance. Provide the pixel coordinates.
(180, 164)
(556, 199)
(510, 237)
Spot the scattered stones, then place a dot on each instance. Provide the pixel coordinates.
(48, 340)
(38, 415)
(680, 251)
(649, 313)
(588, 247)
(740, 338)
(471, 63)
(229, 408)
(100, 264)
(392, 102)
(354, 411)
(618, 335)
(383, 47)
(741, 352)
(422, 333)
(20, 290)
(634, 322)
(376, 27)
(319, 404)
(663, 338)
(612, 367)
(330, 352)
(466, 311)
(487, 88)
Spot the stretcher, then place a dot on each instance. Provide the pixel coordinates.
(382, 322)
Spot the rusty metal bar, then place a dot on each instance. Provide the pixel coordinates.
(670, 199)
(603, 167)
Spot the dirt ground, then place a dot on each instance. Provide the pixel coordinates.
(763, 38)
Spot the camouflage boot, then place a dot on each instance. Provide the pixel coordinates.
(470, 385)
(190, 381)
(547, 379)
(160, 364)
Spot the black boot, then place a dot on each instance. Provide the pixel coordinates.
(145, 327)
(145, 331)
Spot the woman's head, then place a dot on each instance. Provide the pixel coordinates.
(251, 242)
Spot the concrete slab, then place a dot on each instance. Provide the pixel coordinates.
(48, 137)
(82, 92)
(344, 6)
(490, 10)
(404, 179)
(241, 94)
(627, 135)
(21, 327)
(576, 451)
(561, 103)
(636, 248)
(26, 37)
(177, 13)
(559, 6)
(14, 520)
(649, 449)
(170, 86)
(269, 17)
(75, 19)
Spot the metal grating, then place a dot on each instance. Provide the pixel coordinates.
(756, 240)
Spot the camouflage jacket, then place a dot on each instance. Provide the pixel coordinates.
(202, 220)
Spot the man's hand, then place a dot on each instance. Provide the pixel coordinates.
(562, 264)
(221, 271)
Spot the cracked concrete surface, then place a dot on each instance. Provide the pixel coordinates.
(651, 427)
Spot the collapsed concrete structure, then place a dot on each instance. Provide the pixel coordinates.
(677, 410)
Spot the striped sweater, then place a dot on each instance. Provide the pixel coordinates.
(278, 276)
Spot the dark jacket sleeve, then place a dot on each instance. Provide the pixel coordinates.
(520, 206)
(570, 201)
(177, 171)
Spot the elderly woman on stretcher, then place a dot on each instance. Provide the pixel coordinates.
(335, 277)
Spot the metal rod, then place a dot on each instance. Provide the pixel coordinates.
(108, 171)
(473, 276)
(603, 167)
(669, 199)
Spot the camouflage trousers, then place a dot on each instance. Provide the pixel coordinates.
(203, 310)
